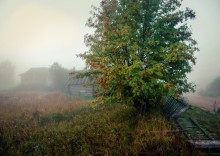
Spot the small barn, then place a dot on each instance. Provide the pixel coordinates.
(80, 86)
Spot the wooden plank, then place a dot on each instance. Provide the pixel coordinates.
(199, 137)
(196, 136)
(205, 144)
(204, 131)
(193, 130)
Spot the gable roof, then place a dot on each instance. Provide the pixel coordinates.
(74, 80)
(36, 71)
(79, 81)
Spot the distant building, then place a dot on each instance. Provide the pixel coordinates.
(36, 78)
(80, 86)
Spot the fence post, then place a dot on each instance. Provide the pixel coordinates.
(215, 106)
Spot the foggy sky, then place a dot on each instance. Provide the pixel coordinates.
(35, 33)
(206, 31)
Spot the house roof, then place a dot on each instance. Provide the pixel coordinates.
(79, 81)
(36, 71)
(74, 80)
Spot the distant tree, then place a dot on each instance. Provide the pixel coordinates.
(214, 87)
(59, 76)
(7, 75)
(142, 49)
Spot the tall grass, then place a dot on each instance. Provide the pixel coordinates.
(55, 124)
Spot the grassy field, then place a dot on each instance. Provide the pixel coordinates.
(55, 124)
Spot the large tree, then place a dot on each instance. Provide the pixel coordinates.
(142, 49)
(213, 88)
(7, 75)
(59, 76)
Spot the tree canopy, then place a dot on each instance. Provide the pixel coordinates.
(7, 75)
(142, 50)
(59, 76)
(213, 88)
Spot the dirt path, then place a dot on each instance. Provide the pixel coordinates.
(206, 103)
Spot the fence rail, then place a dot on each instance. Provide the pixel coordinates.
(198, 136)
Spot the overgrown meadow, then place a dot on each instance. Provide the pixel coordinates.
(56, 124)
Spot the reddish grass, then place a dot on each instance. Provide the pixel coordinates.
(12, 104)
(206, 103)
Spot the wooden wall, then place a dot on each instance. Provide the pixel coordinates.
(80, 90)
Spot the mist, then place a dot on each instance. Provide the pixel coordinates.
(206, 32)
(37, 33)
(50, 104)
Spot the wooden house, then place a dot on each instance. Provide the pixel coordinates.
(80, 86)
